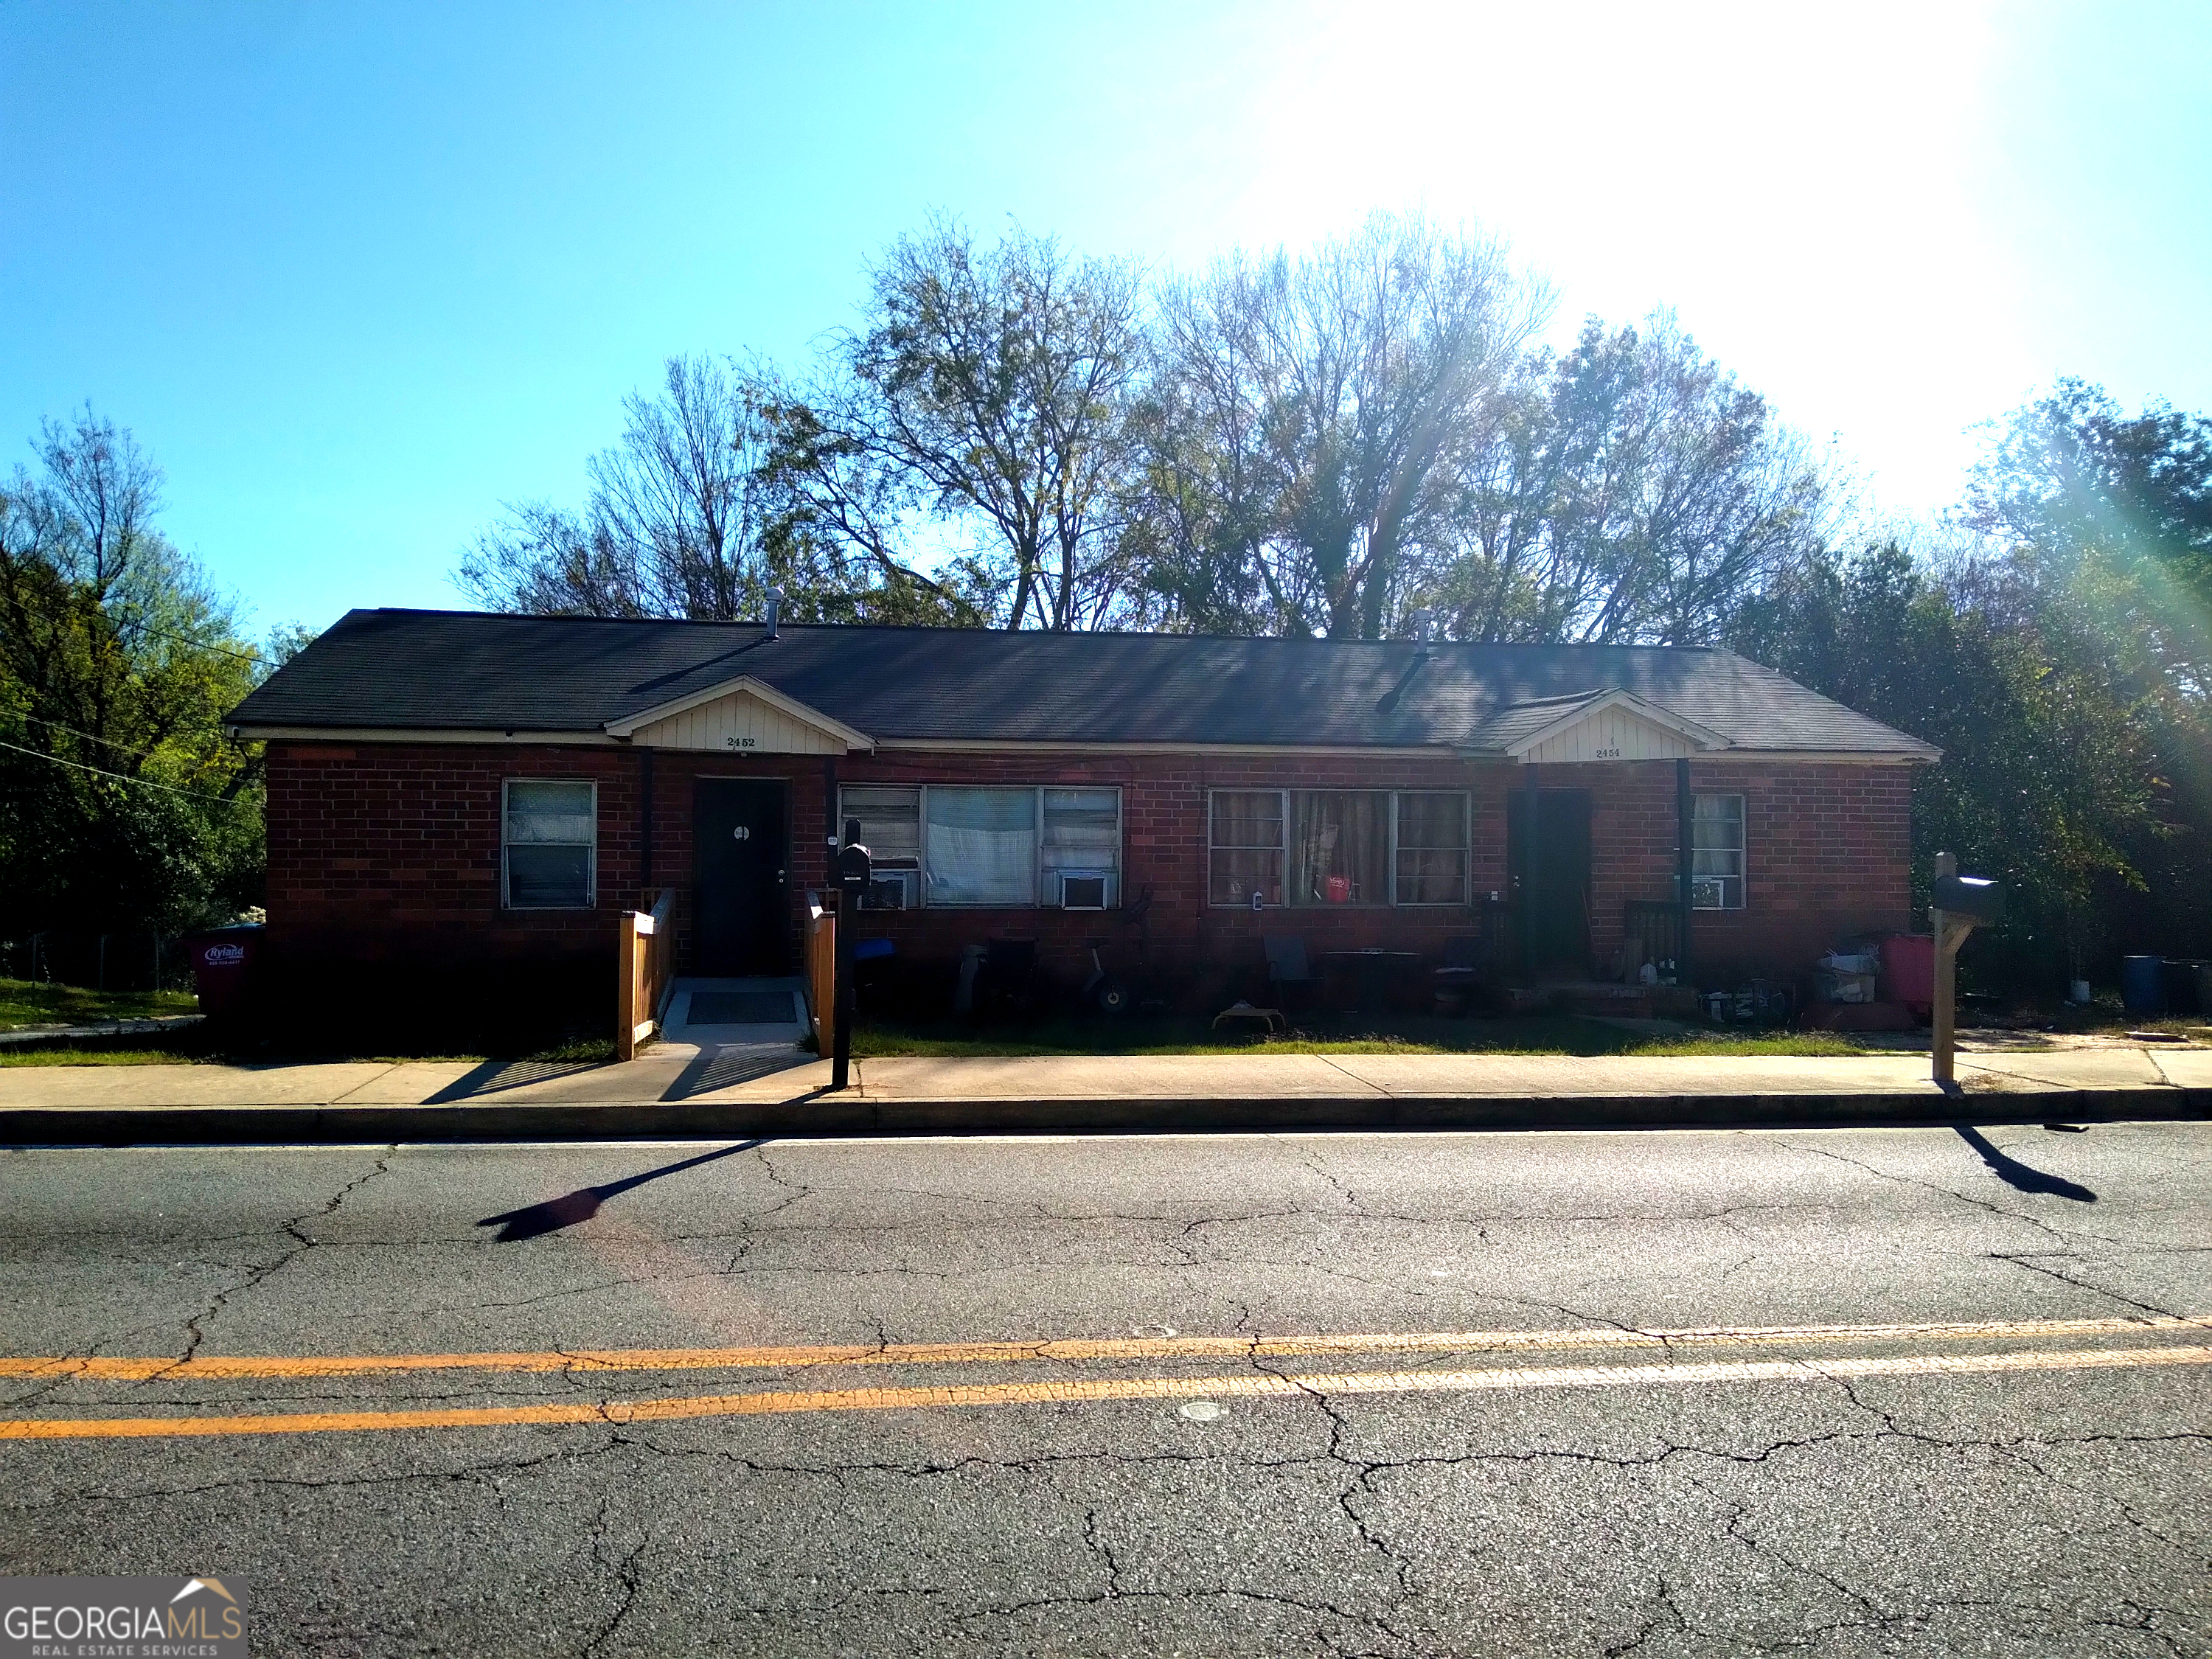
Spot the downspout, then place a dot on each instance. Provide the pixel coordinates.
(1686, 818)
(645, 819)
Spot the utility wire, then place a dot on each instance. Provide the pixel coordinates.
(105, 743)
(125, 777)
(203, 645)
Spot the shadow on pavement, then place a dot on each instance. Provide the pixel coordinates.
(495, 1075)
(582, 1204)
(725, 1068)
(2015, 1174)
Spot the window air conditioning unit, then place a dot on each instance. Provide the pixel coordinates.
(889, 889)
(1084, 890)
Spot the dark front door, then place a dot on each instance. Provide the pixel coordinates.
(1547, 852)
(743, 851)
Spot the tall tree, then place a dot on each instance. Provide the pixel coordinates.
(1310, 416)
(126, 806)
(1632, 491)
(990, 388)
(670, 527)
(2117, 509)
(722, 487)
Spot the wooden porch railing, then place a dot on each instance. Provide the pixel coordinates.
(646, 965)
(822, 969)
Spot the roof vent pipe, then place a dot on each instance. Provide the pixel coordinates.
(774, 605)
(1425, 625)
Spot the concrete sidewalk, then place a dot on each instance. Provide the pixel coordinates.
(679, 1090)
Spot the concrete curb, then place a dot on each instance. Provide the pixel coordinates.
(829, 1116)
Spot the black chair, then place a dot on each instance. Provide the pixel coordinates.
(1464, 956)
(1007, 983)
(1287, 969)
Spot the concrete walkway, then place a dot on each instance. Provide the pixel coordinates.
(685, 1090)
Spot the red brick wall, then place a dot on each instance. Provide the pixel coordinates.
(392, 851)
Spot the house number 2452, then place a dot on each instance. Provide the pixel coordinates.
(737, 743)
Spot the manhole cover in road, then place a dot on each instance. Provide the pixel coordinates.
(1201, 1411)
(740, 1008)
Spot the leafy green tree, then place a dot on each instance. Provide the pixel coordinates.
(127, 807)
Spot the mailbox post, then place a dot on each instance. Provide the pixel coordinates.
(853, 864)
(1957, 905)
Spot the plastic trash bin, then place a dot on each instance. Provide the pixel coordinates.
(1908, 969)
(222, 967)
(2180, 982)
(2142, 984)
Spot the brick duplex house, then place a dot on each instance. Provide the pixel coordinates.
(453, 791)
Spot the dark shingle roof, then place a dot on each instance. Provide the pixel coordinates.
(468, 671)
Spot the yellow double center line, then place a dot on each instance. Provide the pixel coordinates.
(1246, 1384)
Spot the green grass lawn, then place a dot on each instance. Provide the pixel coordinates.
(118, 1056)
(1552, 1034)
(30, 1002)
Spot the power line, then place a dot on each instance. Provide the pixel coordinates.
(125, 777)
(105, 743)
(202, 645)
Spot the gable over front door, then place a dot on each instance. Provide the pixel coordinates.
(742, 860)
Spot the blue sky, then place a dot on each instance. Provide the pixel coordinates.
(357, 274)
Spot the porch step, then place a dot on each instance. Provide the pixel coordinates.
(735, 1012)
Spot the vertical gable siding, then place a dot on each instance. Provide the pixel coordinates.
(1611, 734)
(738, 725)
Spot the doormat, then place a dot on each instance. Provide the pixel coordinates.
(742, 1008)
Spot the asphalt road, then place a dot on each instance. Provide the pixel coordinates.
(1475, 1452)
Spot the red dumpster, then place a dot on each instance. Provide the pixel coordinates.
(1908, 971)
(222, 967)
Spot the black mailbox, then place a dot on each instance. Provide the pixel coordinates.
(853, 865)
(1975, 898)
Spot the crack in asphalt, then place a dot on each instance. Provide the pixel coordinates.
(292, 1225)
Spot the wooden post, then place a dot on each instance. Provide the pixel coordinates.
(626, 988)
(1949, 935)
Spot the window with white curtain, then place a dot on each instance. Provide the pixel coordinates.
(549, 844)
(981, 846)
(992, 845)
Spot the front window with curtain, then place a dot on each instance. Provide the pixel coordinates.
(983, 845)
(1000, 846)
(1432, 848)
(1339, 847)
(549, 844)
(1716, 852)
(1245, 839)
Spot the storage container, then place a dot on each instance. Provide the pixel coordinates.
(2142, 984)
(222, 969)
(1908, 969)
